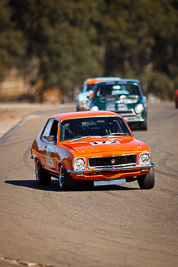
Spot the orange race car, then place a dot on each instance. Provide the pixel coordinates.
(90, 147)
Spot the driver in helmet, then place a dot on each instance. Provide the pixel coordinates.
(75, 129)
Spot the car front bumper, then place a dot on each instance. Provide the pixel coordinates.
(131, 116)
(112, 169)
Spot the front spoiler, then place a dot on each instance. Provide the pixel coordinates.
(114, 168)
(134, 120)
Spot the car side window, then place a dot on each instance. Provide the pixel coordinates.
(51, 129)
(54, 130)
(48, 128)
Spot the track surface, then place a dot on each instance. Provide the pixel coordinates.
(106, 226)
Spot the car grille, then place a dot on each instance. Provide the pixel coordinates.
(113, 161)
(126, 113)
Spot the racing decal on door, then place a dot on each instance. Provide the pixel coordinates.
(48, 157)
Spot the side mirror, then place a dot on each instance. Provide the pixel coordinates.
(50, 138)
(91, 94)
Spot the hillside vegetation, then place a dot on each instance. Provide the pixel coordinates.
(57, 44)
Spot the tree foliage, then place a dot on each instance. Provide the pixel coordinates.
(12, 43)
(61, 43)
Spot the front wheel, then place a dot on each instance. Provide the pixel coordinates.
(65, 181)
(42, 177)
(147, 181)
(143, 126)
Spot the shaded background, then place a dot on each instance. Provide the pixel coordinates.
(48, 48)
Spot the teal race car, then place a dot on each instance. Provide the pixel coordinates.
(122, 96)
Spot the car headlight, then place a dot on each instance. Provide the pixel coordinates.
(144, 158)
(94, 108)
(139, 108)
(79, 163)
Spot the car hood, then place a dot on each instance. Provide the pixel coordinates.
(109, 145)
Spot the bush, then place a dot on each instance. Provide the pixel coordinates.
(158, 84)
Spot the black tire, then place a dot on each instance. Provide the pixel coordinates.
(147, 181)
(65, 181)
(143, 126)
(176, 104)
(42, 177)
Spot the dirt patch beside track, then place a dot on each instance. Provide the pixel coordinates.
(11, 114)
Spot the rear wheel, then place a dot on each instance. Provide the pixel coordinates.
(41, 176)
(147, 181)
(65, 181)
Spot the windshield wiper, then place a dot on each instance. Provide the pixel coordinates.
(84, 137)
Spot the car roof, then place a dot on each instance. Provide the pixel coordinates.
(82, 114)
(117, 81)
(98, 79)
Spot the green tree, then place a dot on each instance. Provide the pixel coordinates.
(66, 63)
(12, 44)
(141, 37)
(64, 42)
(62, 35)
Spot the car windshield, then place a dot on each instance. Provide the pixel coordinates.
(93, 127)
(88, 87)
(113, 90)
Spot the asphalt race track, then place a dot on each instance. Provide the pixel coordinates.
(106, 226)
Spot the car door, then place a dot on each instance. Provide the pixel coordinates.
(44, 142)
(51, 157)
(49, 138)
